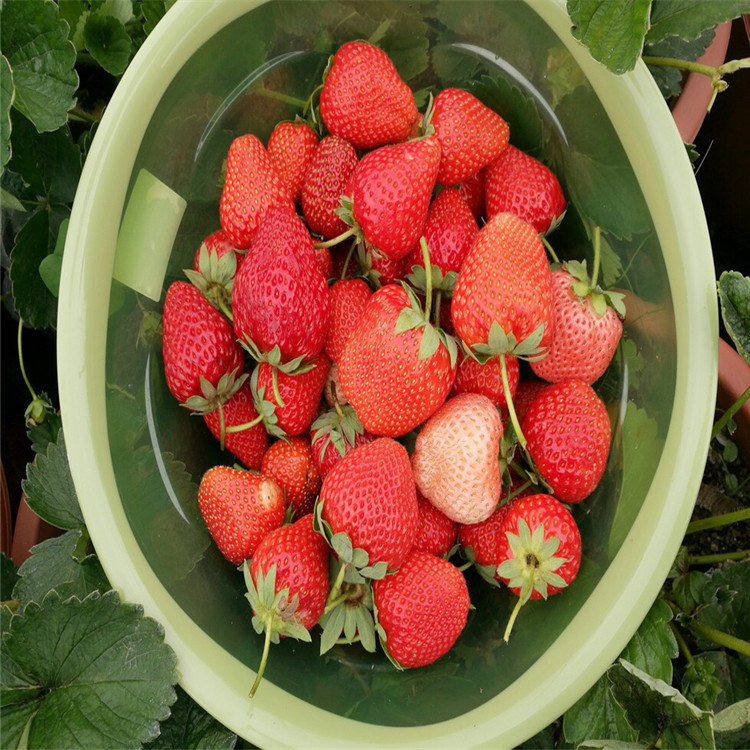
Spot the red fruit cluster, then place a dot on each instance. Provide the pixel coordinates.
(374, 450)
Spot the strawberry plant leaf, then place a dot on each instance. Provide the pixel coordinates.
(612, 30)
(49, 488)
(35, 40)
(189, 727)
(653, 646)
(732, 725)
(687, 19)
(51, 265)
(107, 41)
(8, 577)
(734, 297)
(726, 597)
(79, 673)
(6, 101)
(669, 80)
(699, 684)
(733, 673)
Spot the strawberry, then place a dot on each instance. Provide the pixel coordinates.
(219, 243)
(348, 298)
(280, 297)
(436, 533)
(486, 378)
(197, 341)
(396, 369)
(291, 464)
(455, 458)
(324, 262)
(239, 508)
(539, 549)
(526, 391)
(364, 99)
(587, 328)
(473, 192)
(333, 434)
(520, 184)
(324, 183)
(287, 585)
(379, 269)
(291, 146)
(252, 185)
(370, 499)
(389, 194)
(421, 609)
(214, 269)
(568, 434)
(332, 392)
(471, 135)
(479, 541)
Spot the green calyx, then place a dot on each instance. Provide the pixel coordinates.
(215, 278)
(339, 426)
(501, 343)
(266, 409)
(583, 288)
(531, 567)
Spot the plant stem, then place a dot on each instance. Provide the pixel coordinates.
(718, 557)
(721, 638)
(721, 423)
(335, 240)
(279, 96)
(263, 658)
(81, 115)
(597, 256)
(348, 260)
(245, 426)
(716, 521)
(509, 402)
(428, 278)
(335, 589)
(549, 249)
(681, 643)
(20, 361)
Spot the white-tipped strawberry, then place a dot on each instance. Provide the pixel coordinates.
(455, 458)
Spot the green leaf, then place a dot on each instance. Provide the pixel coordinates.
(727, 599)
(72, 11)
(152, 11)
(86, 673)
(659, 712)
(8, 577)
(108, 42)
(49, 488)
(36, 43)
(51, 265)
(699, 683)
(733, 673)
(687, 19)
(734, 296)
(668, 79)
(41, 435)
(122, 10)
(653, 646)
(6, 102)
(189, 727)
(59, 564)
(429, 343)
(612, 30)
(732, 725)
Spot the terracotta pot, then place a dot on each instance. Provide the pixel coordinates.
(734, 379)
(689, 110)
(28, 531)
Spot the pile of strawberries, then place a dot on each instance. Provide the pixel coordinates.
(352, 335)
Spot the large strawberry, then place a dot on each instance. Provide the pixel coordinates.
(436, 533)
(239, 508)
(539, 549)
(252, 185)
(567, 435)
(368, 502)
(520, 184)
(421, 609)
(280, 297)
(396, 369)
(291, 464)
(287, 585)
(291, 146)
(348, 299)
(197, 341)
(364, 99)
(471, 134)
(455, 458)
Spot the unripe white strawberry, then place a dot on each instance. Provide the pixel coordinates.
(455, 458)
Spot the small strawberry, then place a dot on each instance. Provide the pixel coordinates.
(280, 297)
(455, 458)
(368, 502)
(239, 508)
(291, 464)
(364, 99)
(287, 585)
(471, 135)
(526, 391)
(473, 376)
(333, 434)
(479, 541)
(348, 298)
(324, 262)
(539, 549)
(197, 341)
(324, 183)
(421, 609)
(436, 533)
(291, 146)
(214, 269)
(219, 243)
(252, 185)
(520, 184)
(473, 192)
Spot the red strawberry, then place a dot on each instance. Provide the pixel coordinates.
(239, 508)
(378, 268)
(587, 328)
(520, 184)
(480, 540)
(287, 585)
(369, 496)
(197, 341)
(324, 262)
(291, 146)
(568, 433)
(392, 382)
(486, 378)
(455, 458)
(421, 609)
(539, 549)
(348, 299)
(289, 401)
(219, 243)
(390, 192)
(526, 392)
(214, 269)
(324, 183)
(364, 99)
(279, 297)
(291, 464)
(436, 533)
(473, 192)
(251, 186)
(471, 135)
(334, 433)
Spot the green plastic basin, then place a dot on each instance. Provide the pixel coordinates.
(149, 193)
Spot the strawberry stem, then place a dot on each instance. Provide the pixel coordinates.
(222, 426)
(348, 260)
(523, 597)
(275, 386)
(597, 256)
(428, 277)
(509, 402)
(549, 249)
(264, 657)
(225, 309)
(333, 595)
(438, 303)
(279, 96)
(335, 240)
(245, 426)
